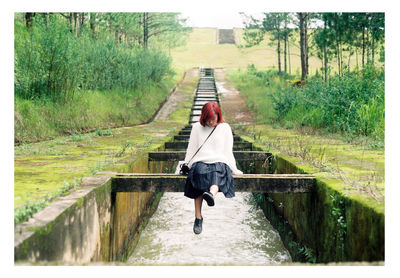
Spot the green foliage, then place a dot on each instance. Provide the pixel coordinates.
(27, 210)
(52, 63)
(55, 58)
(109, 66)
(46, 61)
(352, 104)
(123, 148)
(339, 214)
(101, 165)
(101, 132)
(72, 78)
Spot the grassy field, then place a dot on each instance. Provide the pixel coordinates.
(202, 50)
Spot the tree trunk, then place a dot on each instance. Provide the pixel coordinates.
(368, 47)
(338, 56)
(76, 23)
(303, 47)
(363, 46)
(341, 55)
(28, 19)
(145, 30)
(279, 53)
(46, 19)
(285, 51)
(92, 23)
(326, 63)
(116, 37)
(306, 40)
(82, 19)
(357, 57)
(325, 55)
(81, 22)
(70, 22)
(288, 49)
(373, 50)
(73, 22)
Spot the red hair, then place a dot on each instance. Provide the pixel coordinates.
(208, 111)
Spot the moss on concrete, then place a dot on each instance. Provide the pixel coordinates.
(41, 169)
(341, 220)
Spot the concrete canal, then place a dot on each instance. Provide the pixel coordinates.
(127, 218)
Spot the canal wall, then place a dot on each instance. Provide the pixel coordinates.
(329, 225)
(86, 226)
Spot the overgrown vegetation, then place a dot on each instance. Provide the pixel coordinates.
(352, 104)
(26, 211)
(76, 72)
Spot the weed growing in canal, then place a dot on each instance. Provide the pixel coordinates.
(101, 165)
(123, 148)
(101, 132)
(68, 186)
(28, 149)
(339, 213)
(27, 210)
(255, 135)
(80, 137)
(257, 199)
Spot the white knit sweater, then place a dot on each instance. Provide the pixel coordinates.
(218, 147)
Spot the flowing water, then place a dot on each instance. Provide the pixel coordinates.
(234, 233)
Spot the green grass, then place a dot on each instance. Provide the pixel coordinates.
(37, 120)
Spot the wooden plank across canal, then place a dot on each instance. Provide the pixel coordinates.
(242, 151)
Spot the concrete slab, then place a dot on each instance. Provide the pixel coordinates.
(268, 183)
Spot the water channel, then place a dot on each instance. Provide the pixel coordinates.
(234, 233)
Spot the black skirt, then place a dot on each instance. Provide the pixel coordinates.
(202, 176)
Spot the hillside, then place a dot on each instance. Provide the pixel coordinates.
(202, 49)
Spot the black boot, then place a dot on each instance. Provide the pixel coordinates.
(209, 198)
(198, 225)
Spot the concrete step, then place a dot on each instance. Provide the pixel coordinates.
(239, 155)
(186, 138)
(186, 131)
(237, 146)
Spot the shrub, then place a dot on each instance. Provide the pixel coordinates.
(352, 104)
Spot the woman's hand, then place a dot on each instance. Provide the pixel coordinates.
(238, 172)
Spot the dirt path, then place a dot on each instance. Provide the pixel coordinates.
(175, 98)
(232, 103)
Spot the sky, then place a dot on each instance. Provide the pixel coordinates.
(222, 20)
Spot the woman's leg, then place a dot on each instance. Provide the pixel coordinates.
(197, 207)
(214, 189)
(198, 221)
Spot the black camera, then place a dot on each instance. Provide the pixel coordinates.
(184, 169)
